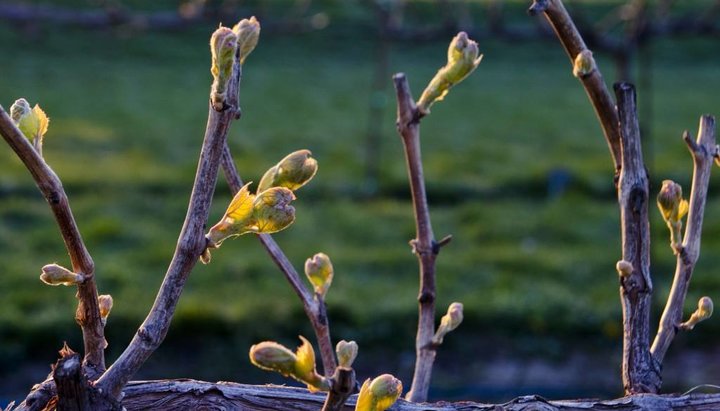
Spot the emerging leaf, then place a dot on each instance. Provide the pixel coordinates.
(293, 171)
(319, 271)
(379, 394)
(463, 59)
(33, 123)
(236, 218)
(248, 33)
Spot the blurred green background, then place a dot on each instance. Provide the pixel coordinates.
(515, 162)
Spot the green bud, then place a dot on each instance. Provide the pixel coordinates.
(293, 171)
(624, 268)
(463, 59)
(346, 353)
(584, 64)
(299, 365)
(319, 271)
(32, 122)
(272, 356)
(449, 322)
(673, 208)
(272, 211)
(223, 45)
(105, 303)
(379, 394)
(53, 274)
(703, 312)
(248, 33)
(268, 212)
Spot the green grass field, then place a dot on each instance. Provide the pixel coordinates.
(127, 117)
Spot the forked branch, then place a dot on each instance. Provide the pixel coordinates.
(314, 308)
(704, 151)
(88, 312)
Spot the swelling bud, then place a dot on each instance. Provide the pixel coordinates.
(449, 322)
(223, 45)
(319, 271)
(346, 353)
(248, 34)
(53, 274)
(32, 122)
(292, 172)
(584, 64)
(703, 312)
(463, 59)
(379, 394)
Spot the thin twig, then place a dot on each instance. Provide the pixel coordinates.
(343, 385)
(593, 82)
(191, 244)
(424, 245)
(639, 371)
(314, 308)
(703, 152)
(88, 312)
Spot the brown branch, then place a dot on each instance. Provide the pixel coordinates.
(191, 394)
(424, 245)
(343, 385)
(703, 152)
(191, 244)
(639, 371)
(314, 307)
(88, 312)
(593, 82)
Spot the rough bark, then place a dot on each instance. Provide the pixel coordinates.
(640, 372)
(191, 394)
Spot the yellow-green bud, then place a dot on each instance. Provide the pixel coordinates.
(223, 45)
(293, 171)
(670, 201)
(53, 274)
(248, 33)
(346, 353)
(299, 365)
(624, 268)
(463, 58)
(703, 312)
(268, 212)
(319, 271)
(272, 356)
(272, 211)
(32, 122)
(584, 64)
(379, 394)
(105, 302)
(449, 322)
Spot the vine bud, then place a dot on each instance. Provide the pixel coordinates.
(248, 33)
(105, 302)
(463, 58)
(670, 201)
(53, 274)
(584, 64)
(449, 322)
(32, 122)
(624, 268)
(272, 356)
(223, 45)
(319, 271)
(379, 394)
(346, 353)
(292, 172)
(703, 312)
